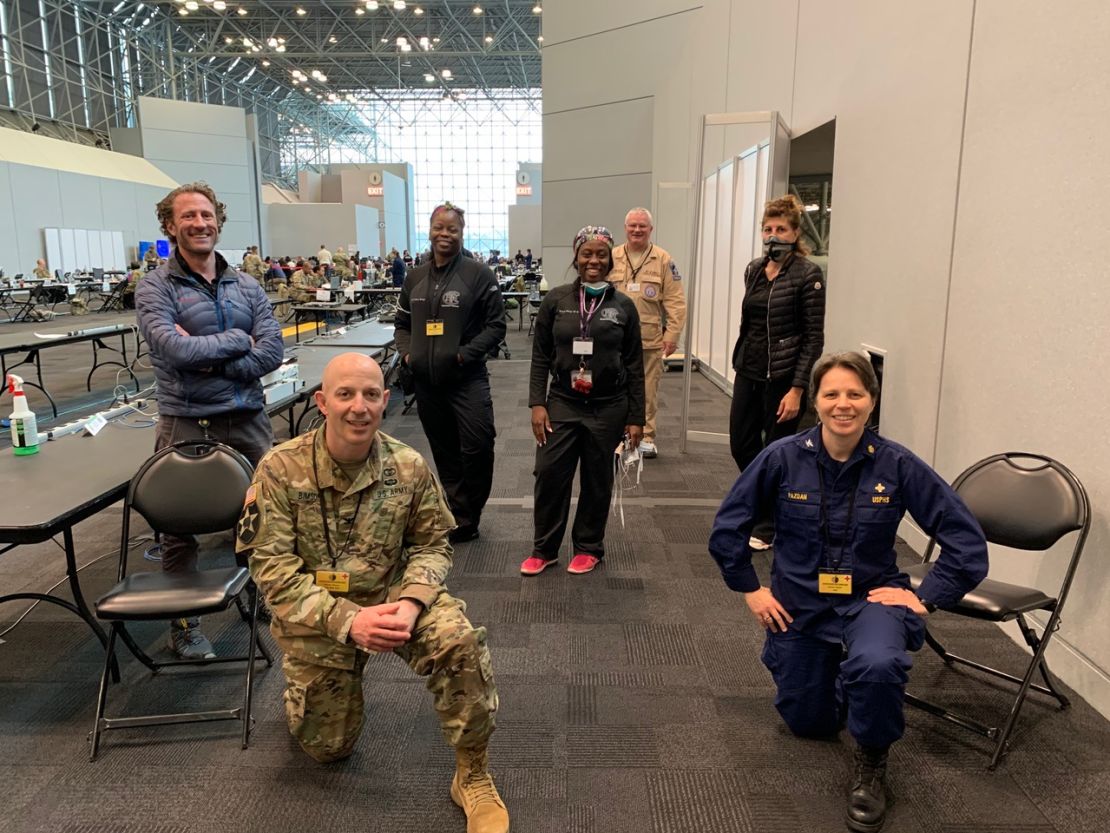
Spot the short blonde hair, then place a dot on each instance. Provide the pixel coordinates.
(644, 211)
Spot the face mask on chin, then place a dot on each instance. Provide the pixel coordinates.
(777, 249)
(595, 288)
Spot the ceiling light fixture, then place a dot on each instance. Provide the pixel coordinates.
(183, 12)
(399, 5)
(191, 5)
(265, 63)
(332, 39)
(371, 5)
(242, 11)
(219, 5)
(489, 38)
(418, 11)
(360, 11)
(477, 9)
(301, 12)
(537, 9)
(429, 77)
(446, 73)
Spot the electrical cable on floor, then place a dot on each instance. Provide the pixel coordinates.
(132, 543)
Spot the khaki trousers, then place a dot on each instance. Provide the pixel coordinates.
(653, 372)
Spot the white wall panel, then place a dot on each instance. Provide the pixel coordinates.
(602, 140)
(722, 265)
(571, 204)
(1027, 326)
(81, 250)
(10, 260)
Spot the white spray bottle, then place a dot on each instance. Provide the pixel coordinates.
(25, 429)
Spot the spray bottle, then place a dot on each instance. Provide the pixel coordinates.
(25, 430)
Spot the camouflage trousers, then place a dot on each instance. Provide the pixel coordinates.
(324, 706)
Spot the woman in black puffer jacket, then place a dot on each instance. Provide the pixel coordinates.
(782, 334)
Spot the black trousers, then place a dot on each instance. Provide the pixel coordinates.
(248, 433)
(584, 437)
(753, 425)
(458, 421)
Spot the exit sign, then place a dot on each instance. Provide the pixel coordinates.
(375, 190)
(524, 190)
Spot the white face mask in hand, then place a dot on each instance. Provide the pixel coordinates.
(628, 464)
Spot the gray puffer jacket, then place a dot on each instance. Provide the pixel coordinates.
(215, 369)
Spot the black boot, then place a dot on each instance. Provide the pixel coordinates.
(867, 799)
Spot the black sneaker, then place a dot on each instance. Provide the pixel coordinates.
(462, 533)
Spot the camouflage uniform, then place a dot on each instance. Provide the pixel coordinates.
(342, 264)
(396, 547)
(252, 265)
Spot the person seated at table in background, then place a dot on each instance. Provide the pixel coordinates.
(150, 258)
(40, 271)
(212, 336)
(346, 529)
(304, 282)
(586, 393)
(841, 619)
(133, 277)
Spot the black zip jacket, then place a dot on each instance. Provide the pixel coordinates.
(617, 363)
(795, 319)
(468, 301)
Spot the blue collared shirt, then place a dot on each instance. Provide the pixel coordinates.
(828, 514)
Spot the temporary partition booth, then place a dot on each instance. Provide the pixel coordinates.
(743, 161)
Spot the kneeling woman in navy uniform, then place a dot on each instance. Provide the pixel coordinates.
(588, 347)
(840, 616)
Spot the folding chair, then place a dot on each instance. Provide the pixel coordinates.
(112, 301)
(188, 488)
(1026, 502)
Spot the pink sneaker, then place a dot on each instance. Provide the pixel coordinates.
(582, 563)
(533, 565)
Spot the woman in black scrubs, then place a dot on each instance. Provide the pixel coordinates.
(586, 392)
(782, 333)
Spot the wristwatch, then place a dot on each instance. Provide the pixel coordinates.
(929, 606)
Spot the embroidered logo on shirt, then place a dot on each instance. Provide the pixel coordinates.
(611, 315)
(809, 443)
(650, 291)
(880, 488)
(802, 496)
(674, 273)
(451, 299)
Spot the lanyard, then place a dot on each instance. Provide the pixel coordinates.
(824, 522)
(585, 315)
(324, 514)
(636, 271)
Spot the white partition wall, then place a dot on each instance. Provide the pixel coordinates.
(72, 250)
(726, 234)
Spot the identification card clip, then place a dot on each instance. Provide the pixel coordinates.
(634, 286)
(338, 581)
(834, 582)
(583, 347)
(433, 327)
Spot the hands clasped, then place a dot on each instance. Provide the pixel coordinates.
(384, 627)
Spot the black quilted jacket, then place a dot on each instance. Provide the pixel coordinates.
(796, 319)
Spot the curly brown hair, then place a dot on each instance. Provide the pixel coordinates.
(791, 208)
(164, 209)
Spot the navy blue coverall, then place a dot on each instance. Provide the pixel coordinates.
(842, 652)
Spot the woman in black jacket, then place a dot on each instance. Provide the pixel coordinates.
(450, 317)
(782, 333)
(588, 347)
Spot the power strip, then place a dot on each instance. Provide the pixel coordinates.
(79, 424)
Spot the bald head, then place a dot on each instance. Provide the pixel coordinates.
(350, 365)
(352, 398)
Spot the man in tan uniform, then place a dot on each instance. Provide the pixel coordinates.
(347, 533)
(645, 273)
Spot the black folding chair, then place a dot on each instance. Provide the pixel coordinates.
(191, 487)
(112, 301)
(1026, 502)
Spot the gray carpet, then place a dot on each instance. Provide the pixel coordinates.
(633, 700)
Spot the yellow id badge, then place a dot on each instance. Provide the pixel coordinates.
(433, 327)
(337, 580)
(836, 582)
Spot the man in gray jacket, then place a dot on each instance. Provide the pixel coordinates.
(212, 336)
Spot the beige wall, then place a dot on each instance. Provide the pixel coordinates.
(949, 242)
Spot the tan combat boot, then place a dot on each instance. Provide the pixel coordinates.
(472, 789)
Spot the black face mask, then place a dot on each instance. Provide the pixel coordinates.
(777, 249)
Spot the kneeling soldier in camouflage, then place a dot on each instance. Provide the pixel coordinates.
(347, 533)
